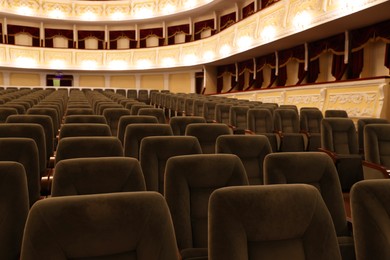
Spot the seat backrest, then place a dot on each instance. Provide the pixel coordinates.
(293, 107)
(126, 225)
(207, 134)
(314, 168)
(5, 112)
(361, 123)
(93, 119)
(25, 152)
(198, 107)
(339, 135)
(84, 176)
(156, 150)
(270, 222)
(377, 144)
(260, 121)
(189, 182)
(28, 130)
(286, 120)
(43, 120)
(79, 111)
(88, 146)
(310, 120)
(143, 96)
(50, 112)
(238, 116)
(370, 206)
(179, 123)
(134, 108)
(251, 149)
(336, 113)
(157, 112)
(132, 93)
(222, 112)
(209, 110)
(134, 134)
(14, 208)
(82, 129)
(124, 121)
(113, 116)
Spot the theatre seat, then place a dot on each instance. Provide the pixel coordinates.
(83, 176)
(270, 222)
(317, 169)
(14, 207)
(370, 206)
(124, 121)
(157, 112)
(92, 119)
(88, 146)
(113, 116)
(251, 149)
(156, 150)
(179, 123)
(127, 225)
(189, 181)
(25, 152)
(5, 112)
(82, 129)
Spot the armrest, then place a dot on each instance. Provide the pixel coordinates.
(375, 171)
(330, 153)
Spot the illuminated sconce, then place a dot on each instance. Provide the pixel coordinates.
(168, 62)
(56, 13)
(89, 64)
(190, 59)
(89, 16)
(144, 13)
(117, 65)
(24, 10)
(225, 50)
(57, 64)
(302, 20)
(190, 3)
(144, 64)
(208, 55)
(169, 9)
(244, 42)
(268, 33)
(118, 15)
(25, 62)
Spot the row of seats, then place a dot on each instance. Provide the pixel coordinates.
(190, 182)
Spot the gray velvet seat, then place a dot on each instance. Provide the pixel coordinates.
(25, 152)
(28, 130)
(361, 123)
(14, 207)
(126, 225)
(88, 146)
(207, 134)
(287, 124)
(370, 205)
(251, 149)
(83, 176)
(377, 151)
(134, 134)
(92, 119)
(113, 116)
(124, 121)
(270, 222)
(222, 112)
(189, 182)
(156, 150)
(157, 112)
(238, 117)
(261, 122)
(82, 129)
(310, 121)
(339, 140)
(317, 169)
(179, 123)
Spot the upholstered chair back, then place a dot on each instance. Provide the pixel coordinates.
(179, 123)
(113, 116)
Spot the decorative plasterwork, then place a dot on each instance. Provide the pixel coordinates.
(124, 10)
